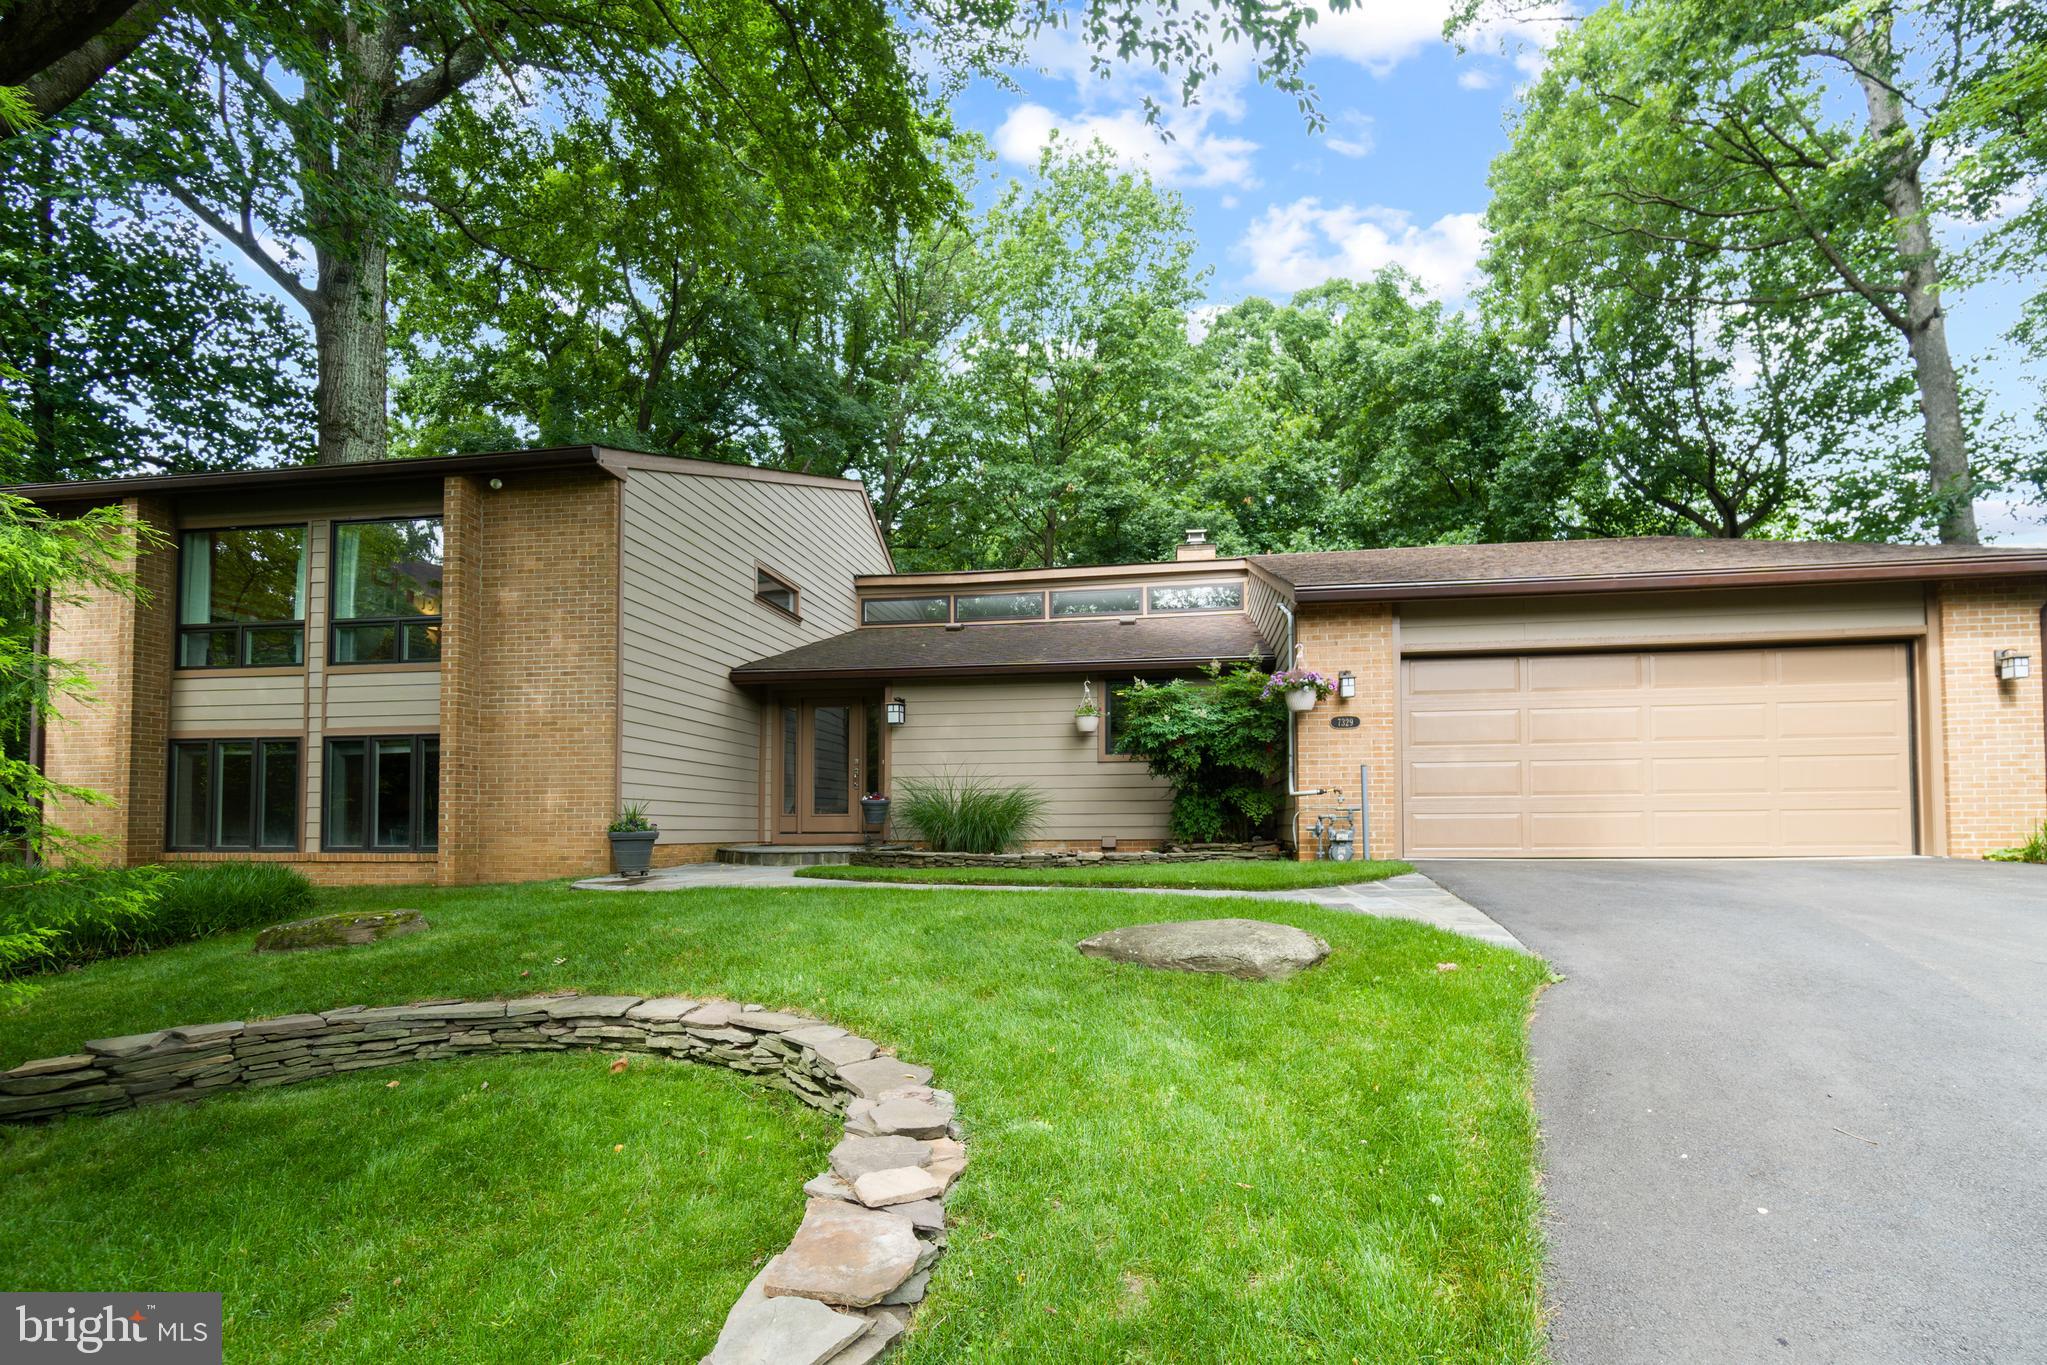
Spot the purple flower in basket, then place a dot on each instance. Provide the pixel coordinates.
(1288, 679)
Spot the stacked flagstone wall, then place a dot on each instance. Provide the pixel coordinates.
(874, 1223)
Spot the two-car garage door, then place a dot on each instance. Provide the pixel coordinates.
(1680, 753)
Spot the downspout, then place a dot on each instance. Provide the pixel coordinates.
(1292, 720)
(39, 645)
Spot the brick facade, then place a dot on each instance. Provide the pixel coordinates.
(115, 740)
(1994, 733)
(1360, 638)
(534, 685)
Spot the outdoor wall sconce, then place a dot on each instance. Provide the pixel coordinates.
(898, 711)
(1346, 684)
(2012, 665)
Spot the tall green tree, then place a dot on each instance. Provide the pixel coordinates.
(1800, 141)
(292, 131)
(1072, 368)
(1362, 413)
(135, 350)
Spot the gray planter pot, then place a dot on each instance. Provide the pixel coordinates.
(632, 851)
(874, 813)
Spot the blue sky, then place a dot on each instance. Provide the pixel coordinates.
(1398, 177)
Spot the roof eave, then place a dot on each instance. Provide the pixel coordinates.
(763, 677)
(1914, 571)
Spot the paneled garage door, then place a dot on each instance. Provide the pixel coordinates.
(1682, 753)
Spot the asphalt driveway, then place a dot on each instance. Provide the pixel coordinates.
(1792, 1111)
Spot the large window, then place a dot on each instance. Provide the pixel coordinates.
(905, 611)
(1112, 718)
(998, 606)
(234, 794)
(1097, 602)
(1198, 597)
(387, 591)
(242, 597)
(383, 792)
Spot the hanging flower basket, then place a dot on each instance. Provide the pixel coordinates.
(1086, 722)
(1303, 687)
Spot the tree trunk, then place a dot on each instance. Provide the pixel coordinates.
(1940, 395)
(351, 331)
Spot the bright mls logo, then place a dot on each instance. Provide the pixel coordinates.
(166, 1329)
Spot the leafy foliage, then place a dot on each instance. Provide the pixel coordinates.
(1220, 740)
(631, 819)
(138, 352)
(969, 814)
(2033, 850)
(57, 917)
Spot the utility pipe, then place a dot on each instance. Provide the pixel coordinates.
(1292, 719)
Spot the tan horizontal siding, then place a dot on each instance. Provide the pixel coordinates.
(1022, 733)
(689, 740)
(244, 704)
(1868, 610)
(402, 701)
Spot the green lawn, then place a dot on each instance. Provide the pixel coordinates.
(1165, 1167)
(1267, 875)
(476, 1211)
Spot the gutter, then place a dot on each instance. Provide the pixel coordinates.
(1895, 572)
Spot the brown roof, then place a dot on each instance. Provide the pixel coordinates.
(1639, 564)
(428, 468)
(1076, 646)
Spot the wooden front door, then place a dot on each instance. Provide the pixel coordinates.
(824, 750)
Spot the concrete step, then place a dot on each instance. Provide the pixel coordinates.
(788, 855)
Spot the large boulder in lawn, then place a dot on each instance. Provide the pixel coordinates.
(346, 930)
(1249, 949)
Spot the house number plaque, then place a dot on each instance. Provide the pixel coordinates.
(1343, 722)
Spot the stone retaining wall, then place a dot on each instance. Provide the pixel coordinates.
(1172, 853)
(840, 1293)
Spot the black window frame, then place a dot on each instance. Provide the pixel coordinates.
(369, 794)
(259, 745)
(1135, 609)
(401, 637)
(238, 629)
(765, 580)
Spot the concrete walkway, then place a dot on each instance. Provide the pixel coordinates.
(1412, 896)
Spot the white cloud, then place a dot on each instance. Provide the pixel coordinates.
(1194, 156)
(1352, 134)
(1378, 37)
(1200, 319)
(1293, 246)
(1474, 78)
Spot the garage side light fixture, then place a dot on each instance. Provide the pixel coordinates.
(2013, 665)
(898, 711)
(1346, 684)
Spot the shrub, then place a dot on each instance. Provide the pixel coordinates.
(52, 917)
(203, 899)
(2034, 850)
(1220, 740)
(969, 814)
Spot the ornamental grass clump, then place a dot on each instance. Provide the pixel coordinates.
(969, 814)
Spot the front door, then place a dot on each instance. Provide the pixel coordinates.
(824, 745)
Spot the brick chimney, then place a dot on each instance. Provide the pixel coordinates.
(1195, 546)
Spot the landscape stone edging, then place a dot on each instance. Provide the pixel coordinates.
(840, 1293)
(1197, 853)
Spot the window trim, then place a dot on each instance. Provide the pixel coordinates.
(1103, 753)
(369, 794)
(257, 745)
(1052, 612)
(1044, 601)
(1151, 588)
(336, 623)
(944, 597)
(240, 629)
(794, 611)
